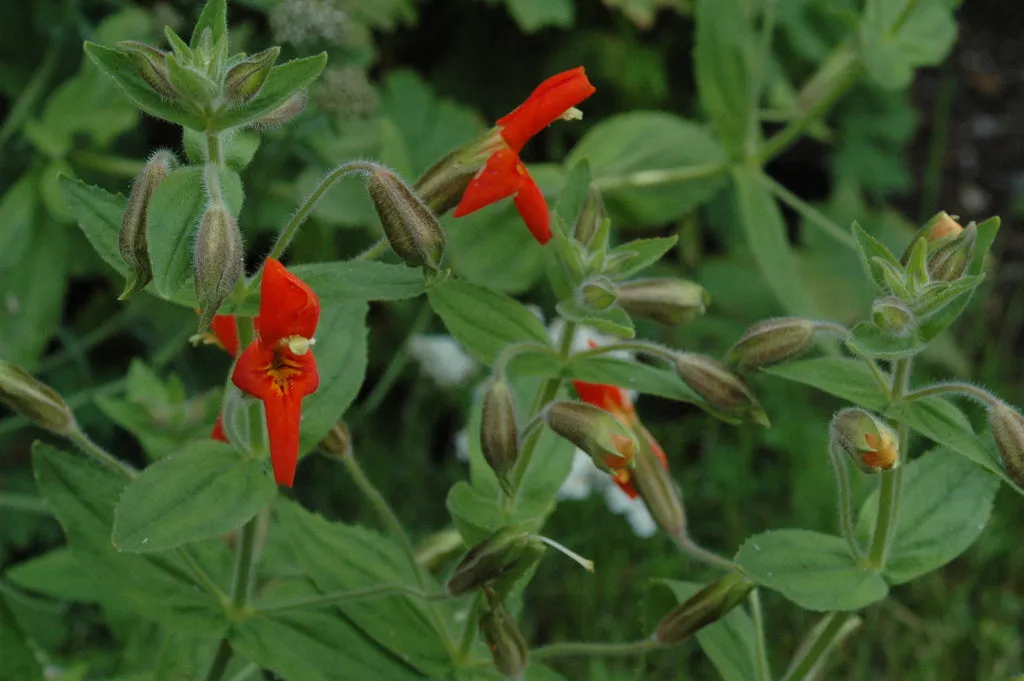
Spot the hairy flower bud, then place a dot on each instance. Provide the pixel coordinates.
(35, 400)
(503, 557)
(865, 439)
(609, 443)
(1007, 426)
(666, 301)
(411, 228)
(705, 607)
(656, 487)
(245, 79)
(938, 231)
(291, 108)
(131, 240)
(151, 64)
(598, 292)
(337, 444)
(893, 316)
(722, 389)
(498, 630)
(441, 186)
(591, 216)
(499, 436)
(218, 260)
(772, 341)
(950, 261)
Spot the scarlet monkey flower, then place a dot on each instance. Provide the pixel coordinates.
(504, 174)
(278, 366)
(617, 402)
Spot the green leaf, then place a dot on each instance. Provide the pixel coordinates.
(493, 248)
(533, 15)
(338, 557)
(58, 574)
(99, 215)
(484, 321)
(341, 358)
(175, 210)
(987, 232)
(872, 341)
(20, 663)
(613, 320)
(17, 215)
(944, 424)
(238, 147)
(352, 280)
(893, 45)
(651, 167)
(282, 82)
(213, 17)
(729, 643)
(945, 504)
(814, 570)
(868, 247)
(201, 492)
(156, 586)
(574, 192)
(639, 255)
(475, 515)
(121, 68)
(643, 378)
(723, 61)
(849, 379)
(768, 239)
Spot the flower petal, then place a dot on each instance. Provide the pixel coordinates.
(225, 329)
(218, 430)
(546, 103)
(607, 397)
(288, 307)
(533, 208)
(283, 415)
(624, 481)
(251, 374)
(497, 180)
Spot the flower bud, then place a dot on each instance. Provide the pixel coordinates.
(866, 439)
(35, 400)
(656, 487)
(705, 607)
(592, 215)
(1007, 428)
(245, 79)
(498, 630)
(721, 388)
(666, 301)
(938, 231)
(131, 240)
(218, 260)
(772, 341)
(893, 316)
(411, 228)
(291, 108)
(950, 261)
(151, 64)
(499, 437)
(598, 292)
(337, 444)
(609, 444)
(441, 186)
(504, 556)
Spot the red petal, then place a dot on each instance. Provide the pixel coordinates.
(624, 480)
(251, 370)
(546, 103)
(283, 415)
(288, 307)
(533, 208)
(497, 180)
(218, 430)
(607, 397)
(225, 329)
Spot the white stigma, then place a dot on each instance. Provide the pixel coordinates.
(572, 114)
(299, 345)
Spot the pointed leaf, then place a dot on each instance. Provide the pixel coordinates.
(282, 82)
(849, 379)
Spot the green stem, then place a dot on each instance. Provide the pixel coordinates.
(752, 138)
(819, 642)
(594, 649)
(812, 214)
(202, 576)
(244, 564)
(889, 492)
(691, 548)
(245, 672)
(842, 471)
(764, 672)
(646, 347)
(951, 388)
(84, 443)
(337, 597)
(469, 629)
(220, 662)
(213, 149)
(510, 352)
(880, 378)
(26, 503)
(375, 251)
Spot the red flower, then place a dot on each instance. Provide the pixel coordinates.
(504, 174)
(278, 367)
(225, 330)
(616, 401)
(218, 431)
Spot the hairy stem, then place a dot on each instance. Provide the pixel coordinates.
(375, 251)
(101, 455)
(889, 492)
(951, 388)
(846, 525)
(764, 672)
(220, 662)
(691, 548)
(812, 651)
(594, 649)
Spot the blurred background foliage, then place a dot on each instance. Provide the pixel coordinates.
(406, 81)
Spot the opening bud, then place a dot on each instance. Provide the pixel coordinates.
(499, 436)
(609, 443)
(591, 217)
(598, 292)
(656, 487)
(245, 79)
(337, 444)
(721, 388)
(705, 607)
(131, 240)
(498, 630)
(497, 561)
(218, 260)
(666, 301)
(411, 228)
(938, 231)
(893, 316)
(441, 186)
(151, 64)
(1007, 428)
(772, 341)
(35, 400)
(292, 107)
(951, 260)
(866, 439)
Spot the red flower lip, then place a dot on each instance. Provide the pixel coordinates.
(278, 366)
(504, 174)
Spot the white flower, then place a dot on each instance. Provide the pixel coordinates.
(442, 358)
(583, 479)
(635, 510)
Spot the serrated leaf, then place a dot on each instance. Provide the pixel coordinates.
(213, 17)
(894, 42)
(99, 215)
(282, 82)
